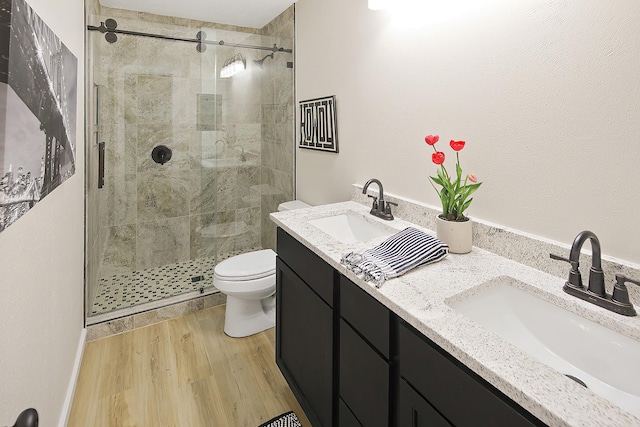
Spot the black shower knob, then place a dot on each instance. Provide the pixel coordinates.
(161, 154)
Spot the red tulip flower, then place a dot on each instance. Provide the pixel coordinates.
(431, 139)
(437, 157)
(457, 145)
(472, 177)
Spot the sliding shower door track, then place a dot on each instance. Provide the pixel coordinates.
(110, 31)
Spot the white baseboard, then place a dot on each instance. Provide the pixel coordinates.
(66, 408)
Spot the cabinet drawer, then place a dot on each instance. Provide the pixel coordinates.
(364, 379)
(309, 266)
(463, 397)
(368, 316)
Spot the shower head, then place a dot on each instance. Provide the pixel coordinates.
(260, 62)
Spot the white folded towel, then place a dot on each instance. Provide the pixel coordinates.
(395, 256)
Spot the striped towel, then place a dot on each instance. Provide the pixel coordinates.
(395, 256)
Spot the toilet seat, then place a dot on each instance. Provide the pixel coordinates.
(246, 289)
(247, 266)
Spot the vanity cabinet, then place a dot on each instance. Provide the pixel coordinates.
(352, 362)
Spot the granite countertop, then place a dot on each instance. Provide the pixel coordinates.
(420, 298)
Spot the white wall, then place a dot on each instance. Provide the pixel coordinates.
(545, 92)
(41, 270)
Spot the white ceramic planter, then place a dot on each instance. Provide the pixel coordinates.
(455, 234)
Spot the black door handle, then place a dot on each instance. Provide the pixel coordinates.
(101, 164)
(27, 418)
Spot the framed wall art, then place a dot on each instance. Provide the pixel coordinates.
(38, 94)
(318, 124)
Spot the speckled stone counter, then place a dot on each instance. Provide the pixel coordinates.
(420, 298)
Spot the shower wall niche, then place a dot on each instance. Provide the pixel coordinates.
(155, 231)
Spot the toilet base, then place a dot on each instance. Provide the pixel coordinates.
(244, 317)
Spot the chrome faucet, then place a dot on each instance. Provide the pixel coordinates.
(380, 208)
(595, 293)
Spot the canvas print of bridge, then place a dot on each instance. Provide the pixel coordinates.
(38, 94)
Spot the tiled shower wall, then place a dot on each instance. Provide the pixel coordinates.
(278, 117)
(148, 214)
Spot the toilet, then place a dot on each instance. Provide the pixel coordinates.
(249, 282)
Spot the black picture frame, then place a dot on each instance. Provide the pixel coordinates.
(319, 124)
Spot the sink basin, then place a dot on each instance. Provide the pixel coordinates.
(605, 360)
(350, 228)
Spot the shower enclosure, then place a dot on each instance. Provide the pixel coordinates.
(183, 165)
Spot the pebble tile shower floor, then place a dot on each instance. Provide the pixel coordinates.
(154, 284)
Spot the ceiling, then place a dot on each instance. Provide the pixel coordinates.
(244, 13)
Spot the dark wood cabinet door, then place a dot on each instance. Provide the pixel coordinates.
(304, 344)
(364, 379)
(414, 411)
(346, 417)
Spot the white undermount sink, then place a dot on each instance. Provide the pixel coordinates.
(606, 361)
(350, 228)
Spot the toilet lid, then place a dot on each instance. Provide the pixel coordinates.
(252, 265)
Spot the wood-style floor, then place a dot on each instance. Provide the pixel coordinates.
(183, 372)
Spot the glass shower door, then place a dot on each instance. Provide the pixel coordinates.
(147, 214)
(231, 153)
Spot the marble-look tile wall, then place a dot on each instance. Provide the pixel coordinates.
(215, 194)
(278, 117)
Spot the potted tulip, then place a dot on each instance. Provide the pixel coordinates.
(452, 226)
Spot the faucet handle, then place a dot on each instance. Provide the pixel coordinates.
(620, 292)
(574, 264)
(374, 207)
(558, 257)
(575, 278)
(387, 208)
